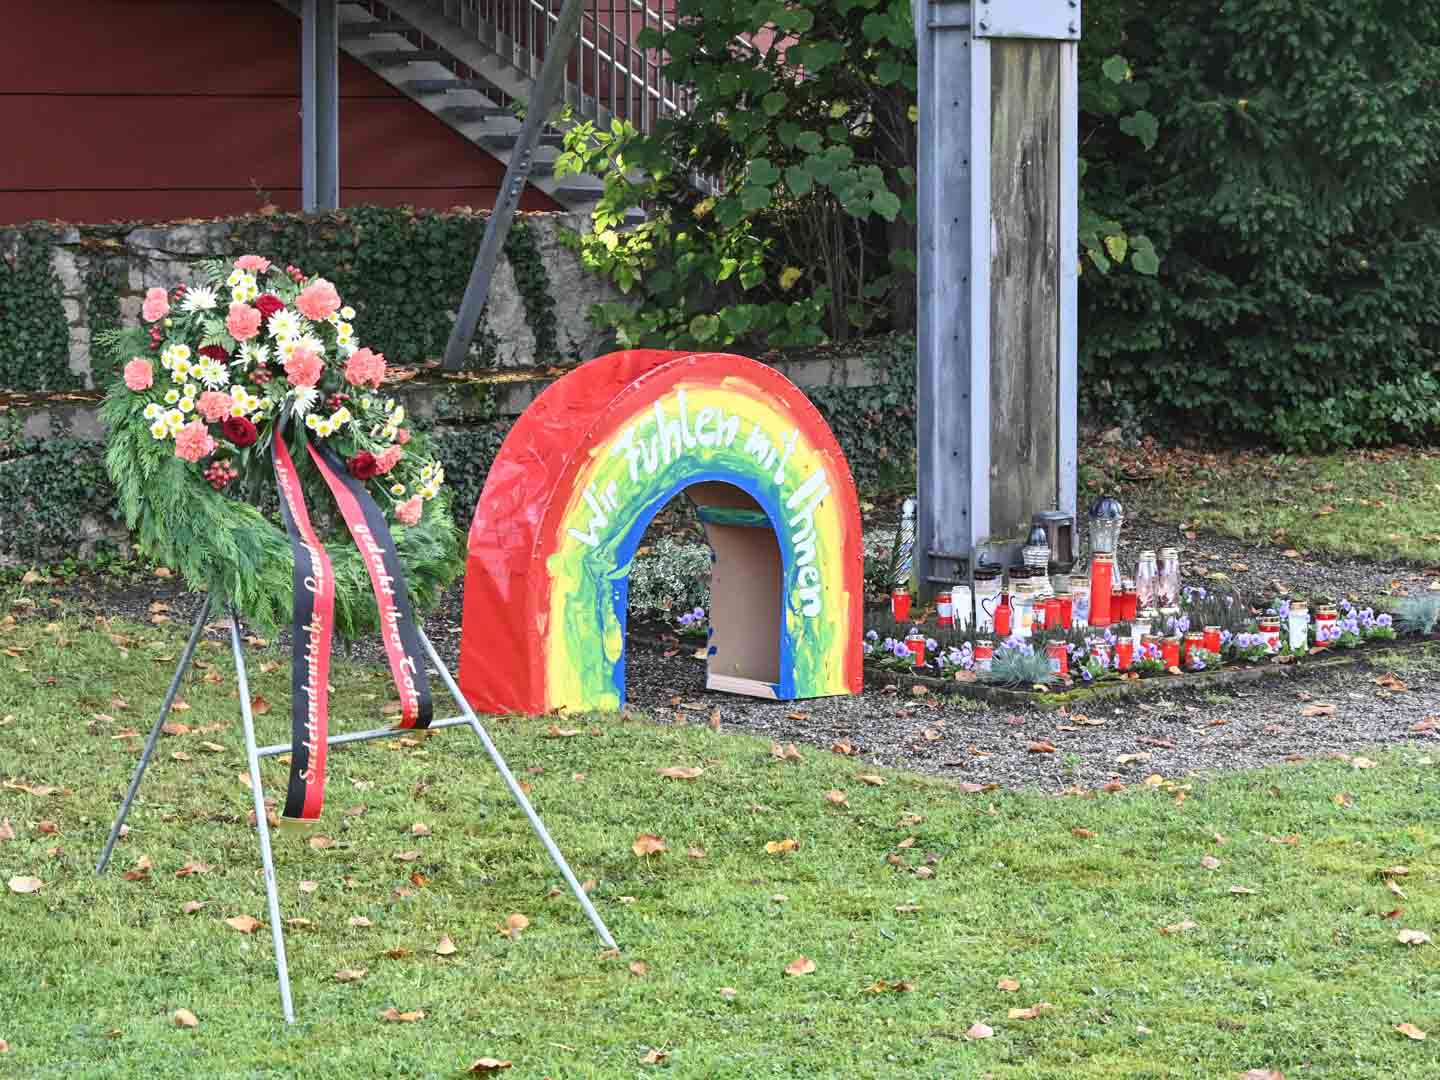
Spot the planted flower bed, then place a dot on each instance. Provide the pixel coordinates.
(1236, 641)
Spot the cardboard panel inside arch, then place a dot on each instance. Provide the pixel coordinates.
(581, 475)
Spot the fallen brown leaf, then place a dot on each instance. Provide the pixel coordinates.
(394, 1016)
(1178, 928)
(1413, 937)
(647, 844)
(801, 965)
(25, 884)
(654, 1057)
(192, 906)
(780, 847)
(1209, 862)
(1036, 1010)
(682, 772)
(1009, 985)
(979, 1031)
(1044, 746)
(350, 974)
(1410, 1031)
(184, 1018)
(1318, 709)
(487, 1064)
(871, 779)
(246, 924)
(446, 947)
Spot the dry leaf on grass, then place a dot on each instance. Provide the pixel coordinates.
(836, 797)
(682, 772)
(350, 974)
(1263, 1074)
(487, 1064)
(25, 884)
(801, 965)
(419, 829)
(1241, 890)
(395, 1016)
(648, 844)
(1210, 862)
(1410, 1031)
(1036, 1010)
(1084, 834)
(1413, 937)
(1007, 984)
(1178, 928)
(446, 947)
(780, 847)
(871, 779)
(1320, 708)
(192, 906)
(979, 1031)
(246, 924)
(184, 1018)
(1390, 681)
(654, 1057)
(1363, 763)
(359, 920)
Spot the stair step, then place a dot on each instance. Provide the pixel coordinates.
(506, 140)
(440, 86)
(409, 56)
(377, 26)
(461, 113)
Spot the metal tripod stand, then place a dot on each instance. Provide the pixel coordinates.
(254, 753)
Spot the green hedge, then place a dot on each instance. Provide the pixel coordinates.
(1293, 196)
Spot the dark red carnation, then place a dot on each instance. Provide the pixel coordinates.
(363, 466)
(269, 304)
(214, 352)
(239, 431)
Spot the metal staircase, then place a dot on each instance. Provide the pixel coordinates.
(472, 62)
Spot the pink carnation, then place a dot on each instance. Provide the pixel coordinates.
(214, 405)
(243, 322)
(318, 300)
(365, 367)
(156, 306)
(194, 441)
(388, 458)
(402, 436)
(258, 263)
(304, 368)
(408, 513)
(139, 374)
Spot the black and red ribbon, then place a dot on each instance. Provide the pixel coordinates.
(313, 627)
(314, 619)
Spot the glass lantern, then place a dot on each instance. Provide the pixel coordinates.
(1106, 517)
(1036, 552)
(1059, 535)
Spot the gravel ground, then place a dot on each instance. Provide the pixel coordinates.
(1182, 731)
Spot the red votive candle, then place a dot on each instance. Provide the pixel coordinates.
(1212, 639)
(900, 604)
(1002, 617)
(1052, 613)
(916, 644)
(1102, 577)
(1124, 653)
(1170, 651)
(1067, 612)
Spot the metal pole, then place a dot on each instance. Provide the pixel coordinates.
(327, 105)
(537, 110)
(154, 735)
(519, 796)
(1069, 222)
(308, 94)
(277, 935)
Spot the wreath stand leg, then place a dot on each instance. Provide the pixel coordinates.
(254, 753)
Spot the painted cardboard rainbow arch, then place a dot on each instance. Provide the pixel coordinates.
(581, 475)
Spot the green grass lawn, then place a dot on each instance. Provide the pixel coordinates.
(1380, 504)
(912, 899)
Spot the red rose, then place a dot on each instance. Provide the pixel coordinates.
(269, 304)
(239, 431)
(363, 466)
(214, 352)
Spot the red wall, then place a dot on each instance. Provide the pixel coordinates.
(158, 109)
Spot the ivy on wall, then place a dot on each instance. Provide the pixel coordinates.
(102, 277)
(48, 489)
(34, 333)
(404, 271)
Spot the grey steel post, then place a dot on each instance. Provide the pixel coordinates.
(262, 826)
(319, 105)
(1067, 442)
(154, 736)
(519, 796)
(557, 53)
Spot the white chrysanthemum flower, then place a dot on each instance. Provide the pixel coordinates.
(312, 343)
(174, 419)
(198, 298)
(252, 352)
(304, 398)
(245, 293)
(347, 312)
(240, 279)
(312, 421)
(191, 389)
(397, 490)
(342, 416)
(427, 472)
(429, 491)
(285, 324)
(187, 405)
(388, 432)
(172, 396)
(159, 429)
(212, 373)
(325, 429)
(154, 411)
(347, 349)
